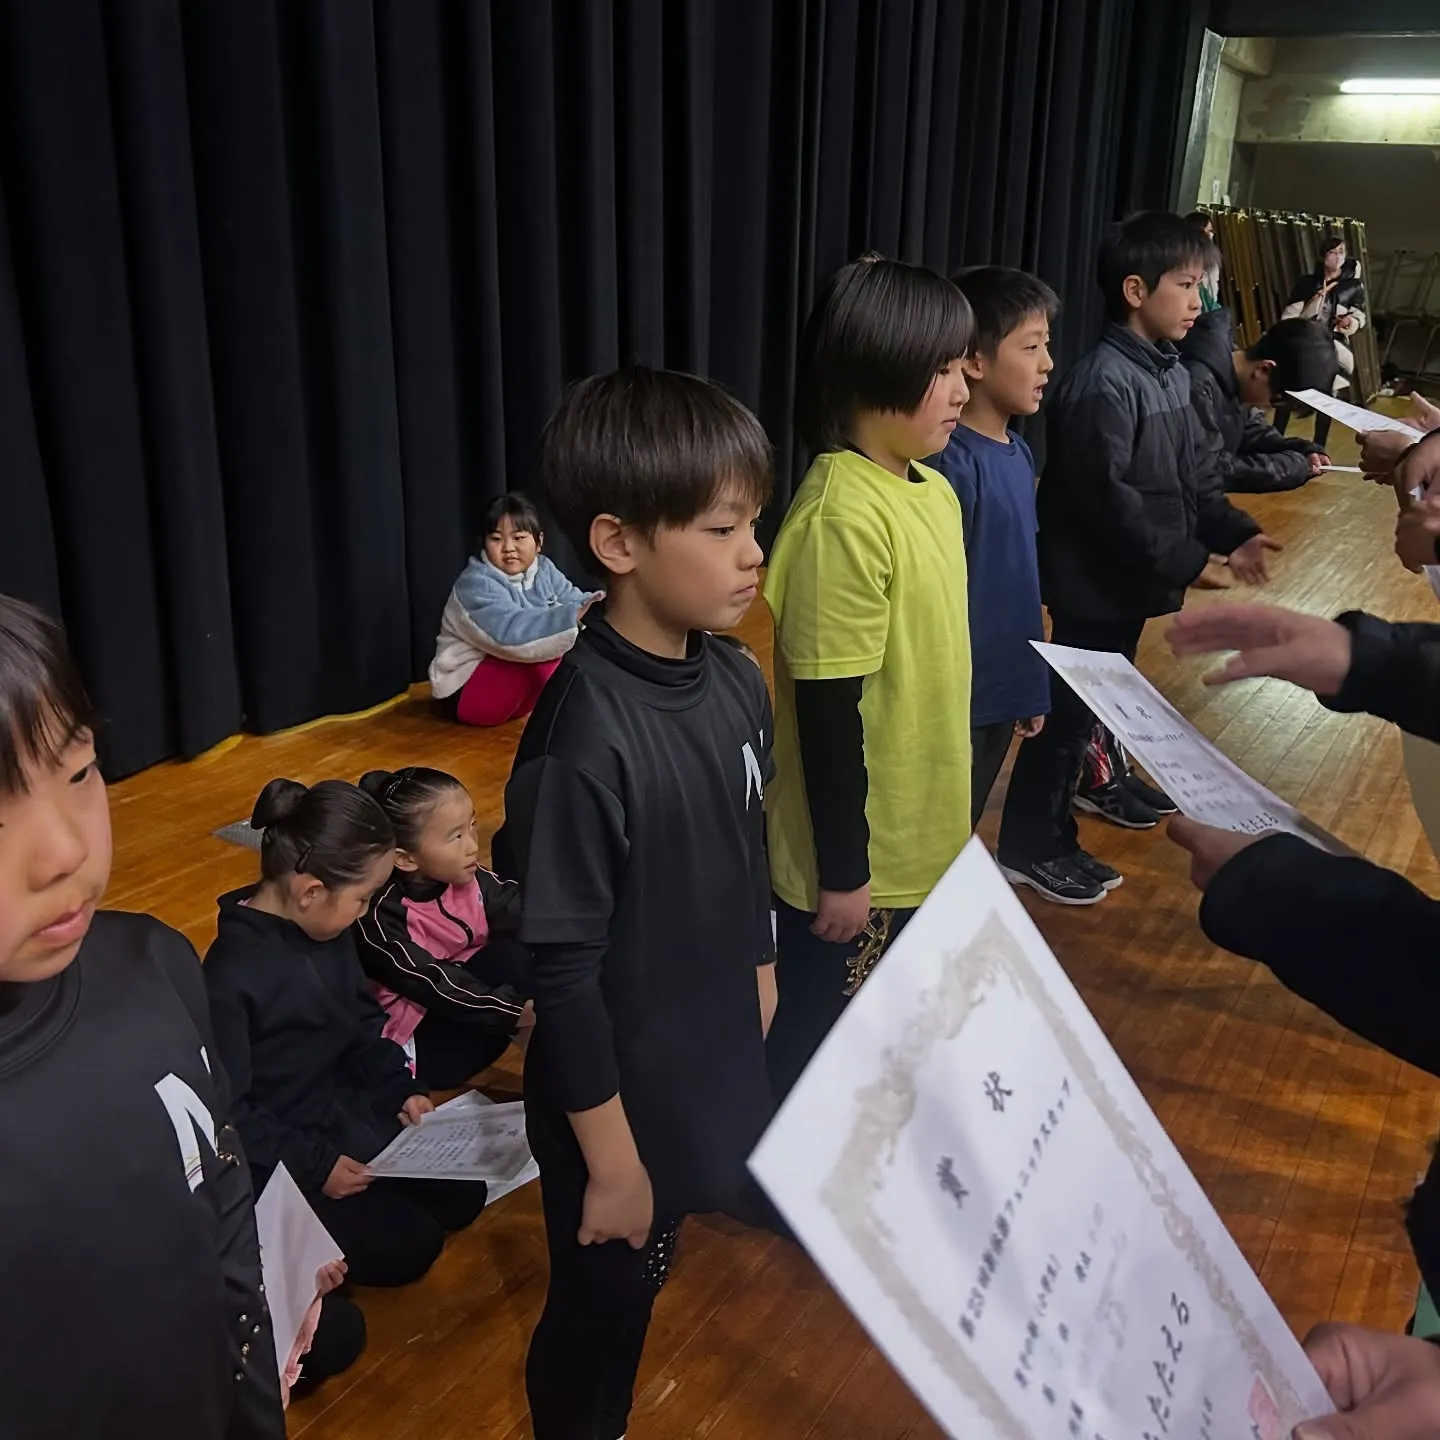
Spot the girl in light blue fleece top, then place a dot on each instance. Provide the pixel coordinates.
(510, 618)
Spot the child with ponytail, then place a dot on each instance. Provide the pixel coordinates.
(316, 1084)
(439, 939)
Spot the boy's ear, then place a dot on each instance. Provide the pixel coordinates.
(973, 366)
(1135, 291)
(404, 860)
(613, 543)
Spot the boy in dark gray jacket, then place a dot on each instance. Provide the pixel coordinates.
(1130, 509)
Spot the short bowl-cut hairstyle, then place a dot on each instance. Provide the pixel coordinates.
(43, 704)
(650, 447)
(1002, 300)
(1149, 245)
(1304, 356)
(878, 335)
(515, 507)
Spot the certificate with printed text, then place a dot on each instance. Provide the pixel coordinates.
(974, 1170)
(1201, 779)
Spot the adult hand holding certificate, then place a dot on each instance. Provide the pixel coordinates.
(978, 1176)
(1204, 782)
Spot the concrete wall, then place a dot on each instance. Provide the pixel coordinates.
(1300, 99)
(1241, 59)
(1394, 189)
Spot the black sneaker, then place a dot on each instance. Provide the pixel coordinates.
(1061, 882)
(1148, 794)
(1105, 876)
(1115, 803)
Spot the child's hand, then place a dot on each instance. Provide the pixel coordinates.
(1318, 463)
(527, 1016)
(330, 1276)
(1248, 562)
(842, 915)
(1029, 729)
(595, 599)
(1379, 450)
(415, 1109)
(618, 1207)
(347, 1177)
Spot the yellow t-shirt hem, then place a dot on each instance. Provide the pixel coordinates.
(834, 669)
(911, 900)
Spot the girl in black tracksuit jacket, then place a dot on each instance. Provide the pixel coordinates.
(133, 1300)
(316, 1083)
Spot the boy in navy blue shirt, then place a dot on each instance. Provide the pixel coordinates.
(993, 473)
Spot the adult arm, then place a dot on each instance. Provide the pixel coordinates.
(1355, 940)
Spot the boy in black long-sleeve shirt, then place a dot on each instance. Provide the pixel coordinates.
(634, 816)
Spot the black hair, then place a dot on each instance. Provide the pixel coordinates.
(333, 831)
(1200, 219)
(1304, 356)
(1329, 243)
(651, 447)
(1002, 299)
(877, 337)
(1150, 245)
(407, 797)
(518, 509)
(43, 704)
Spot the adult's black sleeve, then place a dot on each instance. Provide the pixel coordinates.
(1354, 939)
(832, 757)
(1394, 673)
(566, 834)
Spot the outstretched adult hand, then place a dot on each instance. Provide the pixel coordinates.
(1210, 848)
(1306, 650)
(1385, 1387)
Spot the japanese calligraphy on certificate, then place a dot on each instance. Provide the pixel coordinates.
(974, 1170)
(1204, 782)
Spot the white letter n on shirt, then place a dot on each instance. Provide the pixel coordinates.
(187, 1112)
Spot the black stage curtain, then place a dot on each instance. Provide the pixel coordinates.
(288, 286)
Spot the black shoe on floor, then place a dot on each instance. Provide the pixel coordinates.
(1062, 882)
(1115, 803)
(1105, 876)
(1148, 794)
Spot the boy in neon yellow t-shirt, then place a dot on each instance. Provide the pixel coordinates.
(871, 797)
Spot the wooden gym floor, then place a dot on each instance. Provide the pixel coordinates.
(1307, 1139)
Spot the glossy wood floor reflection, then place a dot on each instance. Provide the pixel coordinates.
(1307, 1139)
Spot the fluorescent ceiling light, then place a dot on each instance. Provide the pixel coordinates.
(1390, 87)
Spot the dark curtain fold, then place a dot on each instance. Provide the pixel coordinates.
(288, 287)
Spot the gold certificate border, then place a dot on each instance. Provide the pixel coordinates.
(884, 1107)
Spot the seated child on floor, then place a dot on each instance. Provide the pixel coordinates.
(315, 1083)
(439, 940)
(509, 619)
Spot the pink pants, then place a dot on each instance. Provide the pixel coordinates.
(502, 690)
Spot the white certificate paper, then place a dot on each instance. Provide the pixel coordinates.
(1355, 417)
(1201, 779)
(974, 1170)
(471, 1142)
(294, 1246)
